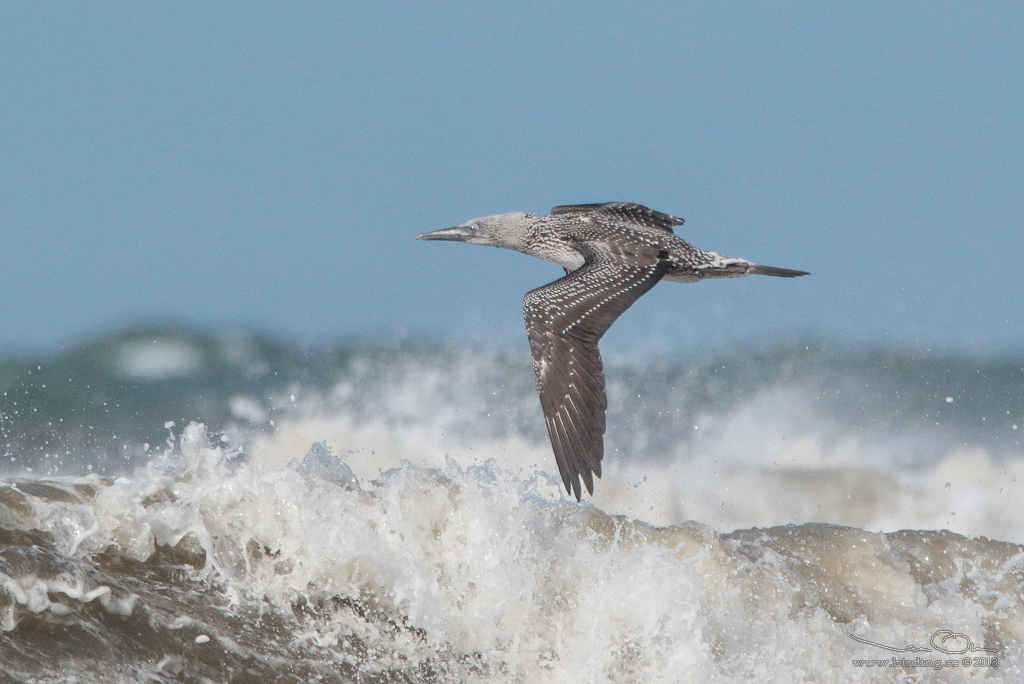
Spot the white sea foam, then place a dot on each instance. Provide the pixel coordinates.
(157, 359)
(407, 523)
(497, 576)
(769, 461)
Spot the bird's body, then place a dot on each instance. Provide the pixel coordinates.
(612, 253)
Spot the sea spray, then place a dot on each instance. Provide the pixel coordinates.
(460, 574)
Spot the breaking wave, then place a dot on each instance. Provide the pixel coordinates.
(180, 506)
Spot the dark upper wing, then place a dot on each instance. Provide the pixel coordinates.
(564, 321)
(622, 212)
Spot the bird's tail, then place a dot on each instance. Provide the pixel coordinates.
(727, 267)
(777, 272)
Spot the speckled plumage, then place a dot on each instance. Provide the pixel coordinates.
(612, 254)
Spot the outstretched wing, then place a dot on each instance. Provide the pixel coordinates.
(622, 212)
(564, 321)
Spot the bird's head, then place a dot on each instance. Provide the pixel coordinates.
(502, 230)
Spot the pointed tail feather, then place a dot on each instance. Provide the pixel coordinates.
(777, 272)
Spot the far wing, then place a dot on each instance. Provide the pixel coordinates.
(564, 321)
(622, 212)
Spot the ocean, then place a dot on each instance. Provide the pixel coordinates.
(217, 506)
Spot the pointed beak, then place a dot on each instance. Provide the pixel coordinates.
(456, 234)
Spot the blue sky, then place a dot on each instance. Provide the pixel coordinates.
(268, 165)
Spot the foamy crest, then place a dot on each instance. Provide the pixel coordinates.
(770, 460)
(158, 359)
(473, 573)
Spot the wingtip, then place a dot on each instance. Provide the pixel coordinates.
(574, 488)
(572, 483)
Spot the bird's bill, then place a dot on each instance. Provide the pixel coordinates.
(457, 234)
